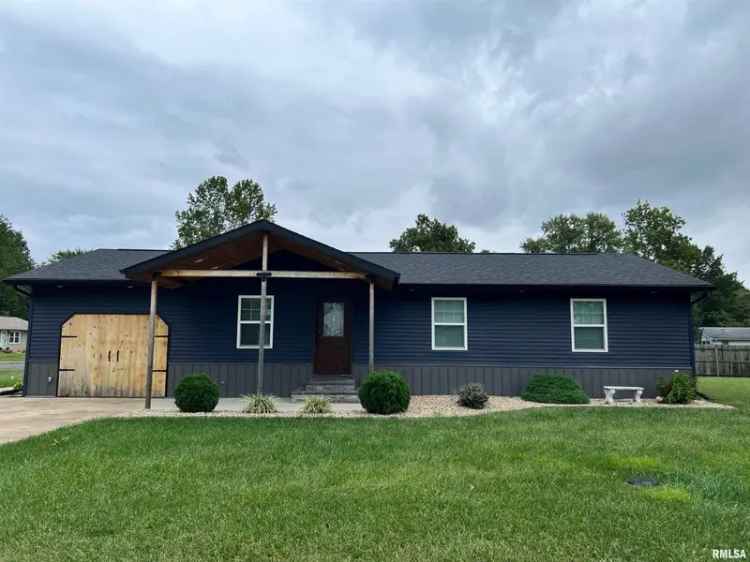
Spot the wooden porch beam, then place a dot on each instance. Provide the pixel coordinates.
(371, 330)
(262, 326)
(151, 334)
(197, 273)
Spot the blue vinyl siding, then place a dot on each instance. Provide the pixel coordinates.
(514, 330)
(644, 330)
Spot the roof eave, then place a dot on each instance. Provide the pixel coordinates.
(560, 285)
(154, 264)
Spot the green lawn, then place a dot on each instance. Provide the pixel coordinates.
(727, 390)
(541, 484)
(10, 377)
(13, 356)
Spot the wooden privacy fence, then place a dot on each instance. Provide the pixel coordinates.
(722, 360)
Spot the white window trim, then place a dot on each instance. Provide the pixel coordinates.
(14, 337)
(267, 345)
(573, 326)
(465, 324)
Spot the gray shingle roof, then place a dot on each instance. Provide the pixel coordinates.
(725, 334)
(13, 323)
(531, 269)
(622, 270)
(99, 265)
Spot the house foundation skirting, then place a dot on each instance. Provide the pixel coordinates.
(282, 379)
(512, 381)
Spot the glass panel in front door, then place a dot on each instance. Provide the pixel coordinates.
(333, 319)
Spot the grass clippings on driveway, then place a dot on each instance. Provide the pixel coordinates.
(538, 484)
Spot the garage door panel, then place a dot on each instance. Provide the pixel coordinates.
(107, 355)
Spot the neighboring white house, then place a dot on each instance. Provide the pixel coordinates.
(13, 333)
(725, 336)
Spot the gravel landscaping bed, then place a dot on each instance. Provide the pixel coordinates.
(424, 407)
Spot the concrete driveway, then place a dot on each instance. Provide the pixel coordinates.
(24, 417)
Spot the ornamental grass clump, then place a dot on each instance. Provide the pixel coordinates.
(384, 392)
(472, 395)
(316, 405)
(554, 389)
(196, 393)
(259, 404)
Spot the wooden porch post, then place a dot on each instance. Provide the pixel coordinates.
(151, 333)
(262, 325)
(371, 359)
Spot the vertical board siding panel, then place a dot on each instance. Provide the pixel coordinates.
(39, 373)
(284, 378)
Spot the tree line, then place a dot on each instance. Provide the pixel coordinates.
(652, 232)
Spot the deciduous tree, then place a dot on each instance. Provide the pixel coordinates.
(61, 255)
(595, 232)
(431, 235)
(214, 208)
(14, 258)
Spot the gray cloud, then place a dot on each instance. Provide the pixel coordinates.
(490, 115)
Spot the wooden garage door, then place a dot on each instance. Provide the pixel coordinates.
(107, 355)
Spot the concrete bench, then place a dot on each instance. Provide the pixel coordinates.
(609, 393)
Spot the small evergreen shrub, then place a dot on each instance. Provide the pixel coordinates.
(196, 393)
(259, 404)
(472, 395)
(554, 389)
(384, 392)
(682, 390)
(664, 387)
(317, 405)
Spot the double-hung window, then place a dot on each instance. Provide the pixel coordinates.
(248, 322)
(449, 324)
(588, 324)
(14, 337)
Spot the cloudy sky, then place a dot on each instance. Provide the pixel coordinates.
(355, 116)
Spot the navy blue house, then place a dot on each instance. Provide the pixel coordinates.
(440, 319)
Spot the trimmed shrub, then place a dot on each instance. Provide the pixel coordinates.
(316, 405)
(664, 388)
(554, 389)
(682, 390)
(384, 392)
(259, 404)
(196, 393)
(472, 395)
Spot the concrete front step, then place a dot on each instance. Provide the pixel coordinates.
(330, 388)
(336, 388)
(348, 398)
(331, 379)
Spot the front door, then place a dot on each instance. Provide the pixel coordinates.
(333, 342)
